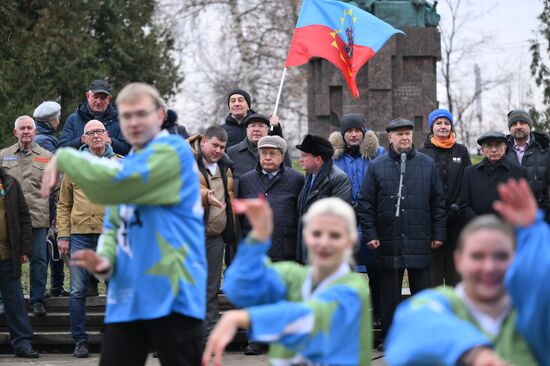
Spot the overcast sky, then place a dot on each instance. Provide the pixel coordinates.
(510, 25)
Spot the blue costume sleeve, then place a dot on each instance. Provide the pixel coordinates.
(324, 330)
(528, 283)
(425, 331)
(249, 280)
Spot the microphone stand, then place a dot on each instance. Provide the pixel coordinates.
(402, 174)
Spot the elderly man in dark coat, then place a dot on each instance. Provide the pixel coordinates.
(402, 228)
(280, 185)
(323, 179)
(245, 154)
(480, 182)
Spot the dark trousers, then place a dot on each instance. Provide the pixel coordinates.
(15, 309)
(391, 282)
(442, 267)
(375, 289)
(214, 259)
(176, 338)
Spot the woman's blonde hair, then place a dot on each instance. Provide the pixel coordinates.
(485, 222)
(335, 207)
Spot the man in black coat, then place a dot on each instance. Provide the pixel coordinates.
(479, 187)
(403, 229)
(323, 179)
(15, 249)
(240, 107)
(281, 186)
(530, 150)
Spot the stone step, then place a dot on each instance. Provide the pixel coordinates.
(56, 320)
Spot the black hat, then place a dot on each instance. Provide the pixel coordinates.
(100, 86)
(398, 123)
(517, 115)
(255, 117)
(240, 92)
(171, 116)
(351, 120)
(317, 146)
(491, 136)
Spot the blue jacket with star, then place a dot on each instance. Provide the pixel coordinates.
(153, 233)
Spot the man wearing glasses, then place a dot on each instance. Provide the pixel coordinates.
(79, 224)
(97, 106)
(152, 246)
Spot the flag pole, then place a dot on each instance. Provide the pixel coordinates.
(279, 94)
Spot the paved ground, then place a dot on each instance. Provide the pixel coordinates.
(231, 359)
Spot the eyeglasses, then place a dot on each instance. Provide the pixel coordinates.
(138, 115)
(93, 132)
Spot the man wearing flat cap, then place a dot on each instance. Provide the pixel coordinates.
(480, 182)
(240, 107)
(323, 179)
(403, 229)
(97, 106)
(280, 185)
(531, 150)
(245, 154)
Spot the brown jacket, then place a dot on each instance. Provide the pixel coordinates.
(18, 220)
(28, 171)
(224, 165)
(75, 213)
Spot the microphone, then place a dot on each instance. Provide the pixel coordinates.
(403, 162)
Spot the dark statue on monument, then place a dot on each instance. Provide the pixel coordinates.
(399, 81)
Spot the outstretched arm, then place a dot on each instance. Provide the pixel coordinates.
(527, 277)
(250, 280)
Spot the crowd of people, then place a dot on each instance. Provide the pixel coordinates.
(127, 196)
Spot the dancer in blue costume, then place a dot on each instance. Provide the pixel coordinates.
(317, 314)
(498, 315)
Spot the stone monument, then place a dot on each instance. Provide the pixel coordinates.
(399, 81)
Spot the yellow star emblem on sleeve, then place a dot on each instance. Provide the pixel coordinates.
(171, 264)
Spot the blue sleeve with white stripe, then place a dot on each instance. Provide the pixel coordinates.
(528, 282)
(249, 280)
(426, 332)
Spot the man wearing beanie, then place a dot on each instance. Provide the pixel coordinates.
(323, 179)
(402, 229)
(240, 107)
(531, 150)
(354, 148)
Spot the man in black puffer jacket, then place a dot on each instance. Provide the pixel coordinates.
(404, 241)
(530, 150)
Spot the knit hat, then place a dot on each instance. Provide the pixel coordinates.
(255, 117)
(316, 146)
(47, 111)
(439, 113)
(517, 115)
(352, 120)
(240, 92)
(276, 142)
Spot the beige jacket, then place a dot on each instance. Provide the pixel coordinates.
(75, 213)
(28, 170)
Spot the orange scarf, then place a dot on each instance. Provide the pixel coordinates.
(444, 144)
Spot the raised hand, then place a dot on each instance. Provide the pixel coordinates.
(222, 334)
(87, 258)
(517, 204)
(49, 178)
